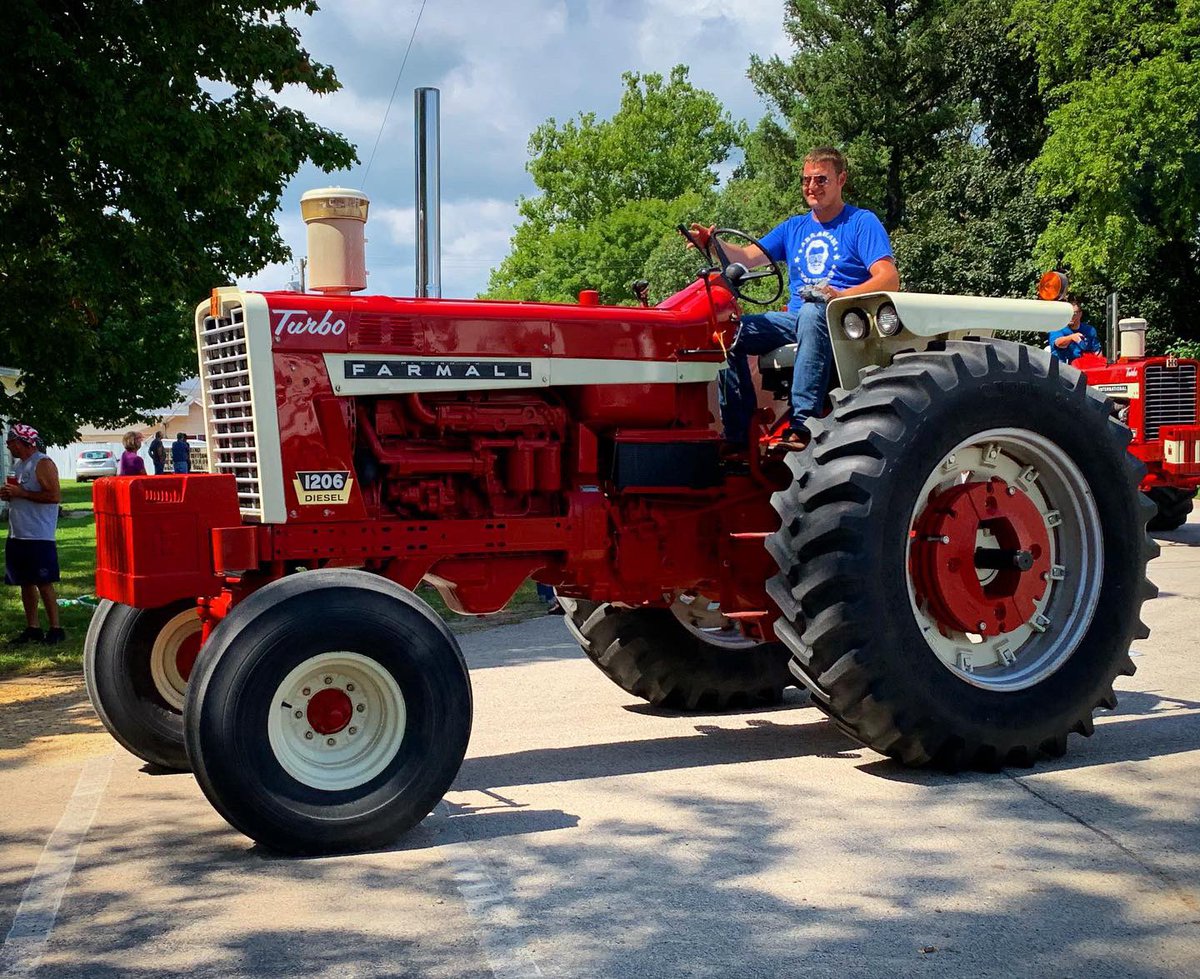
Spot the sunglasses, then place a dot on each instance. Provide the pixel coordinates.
(820, 180)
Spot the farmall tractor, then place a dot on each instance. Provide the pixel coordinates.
(954, 567)
(1157, 398)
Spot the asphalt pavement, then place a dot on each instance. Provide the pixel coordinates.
(589, 835)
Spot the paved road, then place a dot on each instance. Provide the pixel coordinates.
(588, 836)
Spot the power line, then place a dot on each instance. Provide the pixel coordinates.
(403, 62)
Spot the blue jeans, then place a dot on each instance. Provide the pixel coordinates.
(760, 333)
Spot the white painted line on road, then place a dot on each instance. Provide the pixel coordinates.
(497, 918)
(30, 932)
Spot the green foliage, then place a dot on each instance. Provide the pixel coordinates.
(142, 164)
(973, 231)
(938, 111)
(611, 189)
(869, 76)
(1121, 162)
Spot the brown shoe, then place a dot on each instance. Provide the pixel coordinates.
(795, 440)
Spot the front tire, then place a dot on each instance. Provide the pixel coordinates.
(962, 557)
(136, 664)
(330, 713)
(650, 653)
(1173, 504)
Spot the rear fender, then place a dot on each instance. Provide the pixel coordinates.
(927, 317)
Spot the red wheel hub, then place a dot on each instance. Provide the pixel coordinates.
(185, 655)
(945, 562)
(329, 711)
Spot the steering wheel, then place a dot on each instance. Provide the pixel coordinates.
(736, 275)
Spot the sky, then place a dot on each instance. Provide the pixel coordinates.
(502, 69)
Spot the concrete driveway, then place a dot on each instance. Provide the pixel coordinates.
(590, 836)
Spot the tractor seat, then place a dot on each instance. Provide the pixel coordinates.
(779, 359)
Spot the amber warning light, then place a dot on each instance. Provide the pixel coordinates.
(1052, 286)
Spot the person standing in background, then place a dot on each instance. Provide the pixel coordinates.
(31, 553)
(179, 454)
(158, 454)
(131, 464)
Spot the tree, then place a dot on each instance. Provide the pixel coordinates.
(938, 111)
(1121, 163)
(610, 189)
(870, 76)
(141, 163)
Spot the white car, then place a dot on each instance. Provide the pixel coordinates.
(94, 463)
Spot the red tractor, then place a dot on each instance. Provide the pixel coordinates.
(954, 568)
(1157, 398)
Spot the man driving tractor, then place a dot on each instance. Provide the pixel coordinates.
(1076, 338)
(836, 249)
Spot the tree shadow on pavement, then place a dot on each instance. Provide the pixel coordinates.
(49, 718)
(1188, 534)
(767, 883)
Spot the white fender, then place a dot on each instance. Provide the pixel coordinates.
(926, 316)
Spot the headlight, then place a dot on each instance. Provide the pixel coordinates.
(888, 320)
(854, 324)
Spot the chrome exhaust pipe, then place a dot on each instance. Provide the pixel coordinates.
(427, 122)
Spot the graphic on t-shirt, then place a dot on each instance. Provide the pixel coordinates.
(818, 257)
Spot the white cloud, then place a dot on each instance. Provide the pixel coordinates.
(502, 69)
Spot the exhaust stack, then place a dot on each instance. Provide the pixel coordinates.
(336, 218)
(427, 121)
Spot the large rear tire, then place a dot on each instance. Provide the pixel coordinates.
(330, 712)
(1173, 504)
(963, 450)
(136, 664)
(650, 653)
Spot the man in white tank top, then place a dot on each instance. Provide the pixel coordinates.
(30, 553)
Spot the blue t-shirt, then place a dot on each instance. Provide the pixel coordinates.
(1089, 345)
(839, 253)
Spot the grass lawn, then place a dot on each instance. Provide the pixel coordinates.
(77, 564)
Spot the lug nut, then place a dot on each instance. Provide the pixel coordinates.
(331, 741)
(299, 713)
(329, 679)
(350, 686)
(360, 708)
(305, 692)
(308, 735)
(354, 730)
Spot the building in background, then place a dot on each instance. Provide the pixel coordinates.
(186, 415)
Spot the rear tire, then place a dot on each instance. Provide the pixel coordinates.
(133, 681)
(330, 713)
(867, 636)
(1173, 504)
(649, 653)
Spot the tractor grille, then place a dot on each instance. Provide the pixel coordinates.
(226, 378)
(1170, 397)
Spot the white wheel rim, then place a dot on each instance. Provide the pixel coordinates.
(164, 664)
(352, 755)
(1027, 655)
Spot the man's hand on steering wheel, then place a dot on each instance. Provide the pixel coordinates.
(736, 275)
(700, 236)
